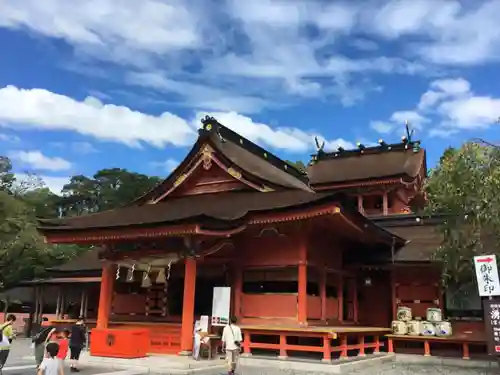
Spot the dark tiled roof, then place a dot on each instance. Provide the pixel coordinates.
(88, 261)
(216, 210)
(254, 162)
(226, 206)
(373, 163)
(422, 235)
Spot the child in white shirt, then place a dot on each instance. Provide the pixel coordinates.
(51, 365)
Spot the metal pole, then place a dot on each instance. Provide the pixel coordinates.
(82, 303)
(86, 303)
(58, 303)
(37, 304)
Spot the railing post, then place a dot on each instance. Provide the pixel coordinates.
(327, 348)
(283, 352)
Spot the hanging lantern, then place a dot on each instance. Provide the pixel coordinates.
(130, 274)
(161, 278)
(146, 280)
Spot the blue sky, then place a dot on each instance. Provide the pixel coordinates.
(91, 84)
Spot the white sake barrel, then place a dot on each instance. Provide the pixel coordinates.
(434, 315)
(399, 327)
(428, 329)
(443, 329)
(414, 327)
(404, 314)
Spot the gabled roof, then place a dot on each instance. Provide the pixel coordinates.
(243, 159)
(388, 161)
(88, 261)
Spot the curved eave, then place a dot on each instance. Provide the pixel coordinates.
(197, 226)
(385, 180)
(383, 234)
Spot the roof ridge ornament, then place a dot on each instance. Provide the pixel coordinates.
(408, 138)
(319, 149)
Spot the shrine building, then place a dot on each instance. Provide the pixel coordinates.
(317, 260)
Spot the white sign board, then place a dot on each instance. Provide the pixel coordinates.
(221, 304)
(204, 323)
(487, 275)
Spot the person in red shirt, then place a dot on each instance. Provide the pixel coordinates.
(63, 345)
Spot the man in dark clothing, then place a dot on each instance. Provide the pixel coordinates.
(77, 341)
(40, 340)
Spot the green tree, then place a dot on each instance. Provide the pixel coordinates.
(107, 189)
(298, 164)
(20, 242)
(465, 187)
(7, 178)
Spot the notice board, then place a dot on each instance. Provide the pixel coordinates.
(492, 323)
(221, 305)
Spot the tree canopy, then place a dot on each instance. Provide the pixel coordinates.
(465, 188)
(23, 253)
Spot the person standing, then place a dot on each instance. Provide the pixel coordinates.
(51, 365)
(77, 341)
(6, 337)
(40, 340)
(63, 345)
(231, 341)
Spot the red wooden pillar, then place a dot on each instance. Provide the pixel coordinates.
(106, 295)
(188, 306)
(322, 291)
(237, 285)
(340, 297)
(302, 281)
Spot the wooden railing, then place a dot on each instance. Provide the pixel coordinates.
(312, 341)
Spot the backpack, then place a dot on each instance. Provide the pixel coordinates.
(5, 325)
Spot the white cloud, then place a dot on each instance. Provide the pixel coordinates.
(414, 119)
(450, 32)
(334, 144)
(42, 109)
(168, 165)
(281, 138)
(197, 95)
(83, 148)
(382, 127)
(451, 86)
(150, 25)
(281, 63)
(9, 138)
(264, 44)
(53, 183)
(453, 105)
(364, 44)
(470, 113)
(397, 122)
(38, 161)
(458, 107)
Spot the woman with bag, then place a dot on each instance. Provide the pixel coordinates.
(231, 340)
(6, 337)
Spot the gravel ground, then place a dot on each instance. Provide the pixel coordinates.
(384, 369)
(416, 369)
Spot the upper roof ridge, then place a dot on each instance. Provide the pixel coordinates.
(211, 126)
(361, 149)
